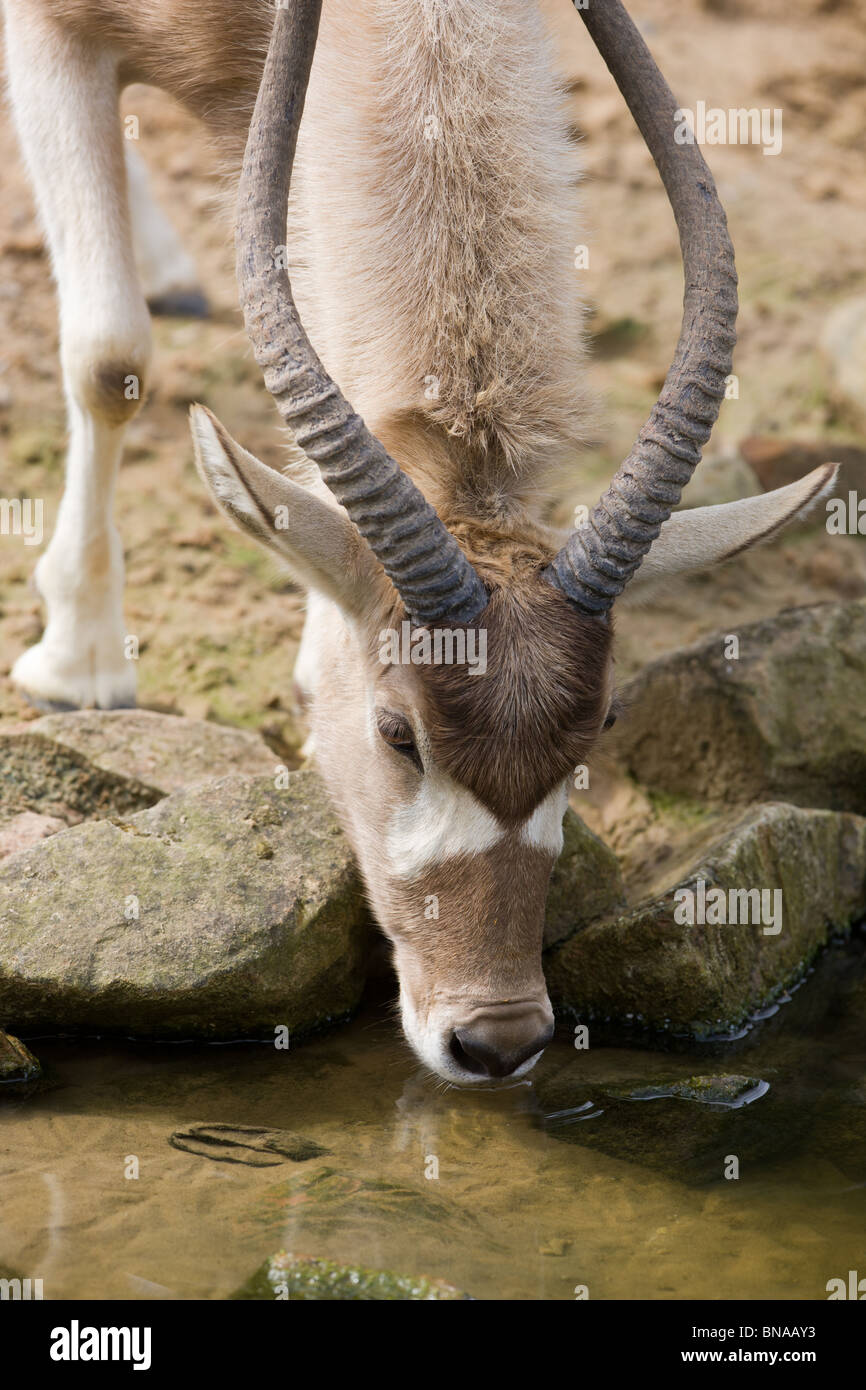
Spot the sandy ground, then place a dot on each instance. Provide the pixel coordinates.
(218, 624)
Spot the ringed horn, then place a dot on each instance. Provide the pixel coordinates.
(422, 559)
(600, 557)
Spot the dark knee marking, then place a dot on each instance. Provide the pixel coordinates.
(113, 390)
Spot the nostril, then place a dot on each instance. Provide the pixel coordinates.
(483, 1059)
(465, 1059)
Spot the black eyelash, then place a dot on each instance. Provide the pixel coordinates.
(613, 714)
(399, 737)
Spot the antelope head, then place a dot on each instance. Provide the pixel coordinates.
(451, 780)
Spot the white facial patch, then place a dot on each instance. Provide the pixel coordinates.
(442, 820)
(543, 829)
(445, 819)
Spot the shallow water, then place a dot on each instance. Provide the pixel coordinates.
(522, 1208)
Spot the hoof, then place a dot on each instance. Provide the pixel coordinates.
(64, 706)
(54, 685)
(46, 706)
(180, 304)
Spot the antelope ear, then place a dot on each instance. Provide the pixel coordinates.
(706, 536)
(319, 543)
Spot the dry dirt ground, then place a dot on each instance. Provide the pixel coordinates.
(218, 624)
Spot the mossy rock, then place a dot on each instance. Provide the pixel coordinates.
(167, 752)
(784, 720)
(701, 980)
(586, 883)
(37, 774)
(730, 1092)
(299, 1277)
(223, 911)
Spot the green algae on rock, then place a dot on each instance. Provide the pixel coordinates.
(729, 1091)
(168, 924)
(289, 1277)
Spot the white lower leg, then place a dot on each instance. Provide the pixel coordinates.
(83, 658)
(64, 97)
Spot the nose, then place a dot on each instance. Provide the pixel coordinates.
(496, 1041)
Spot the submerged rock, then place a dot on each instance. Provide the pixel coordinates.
(730, 1092)
(259, 1148)
(689, 1129)
(228, 909)
(18, 1067)
(326, 1202)
(702, 978)
(292, 1277)
(784, 720)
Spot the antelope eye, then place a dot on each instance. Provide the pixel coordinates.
(614, 710)
(397, 733)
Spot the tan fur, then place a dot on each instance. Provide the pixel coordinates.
(433, 215)
(431, 237)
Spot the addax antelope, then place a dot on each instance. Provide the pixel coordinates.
(429, 271)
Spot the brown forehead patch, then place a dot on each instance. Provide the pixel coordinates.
(512, 734)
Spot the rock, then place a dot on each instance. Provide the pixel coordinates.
(171, 923)
(586, 883)
(729, 1092)
(786, 719)
(25, 829)
(843, 343)
(809, 1049)
(701, 980)
(778, 462)
(259, 1148)
(292, 1277)
(49, 779)
(687, 1129)
(18, 1066)
(165, 751)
